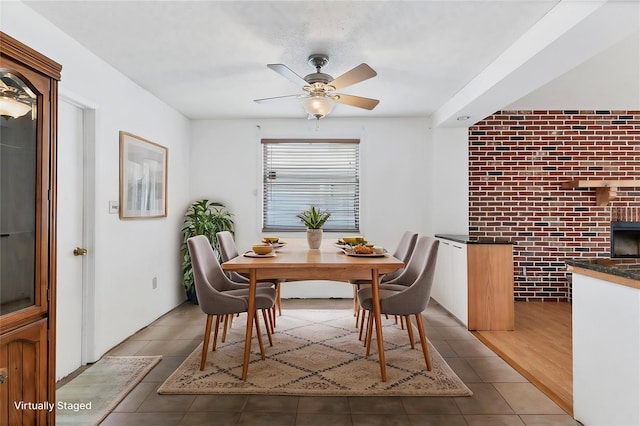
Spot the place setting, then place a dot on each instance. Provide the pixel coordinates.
(358, 246)
(275, 242)
(267, 248)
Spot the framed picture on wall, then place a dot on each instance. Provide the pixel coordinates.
(143, 178)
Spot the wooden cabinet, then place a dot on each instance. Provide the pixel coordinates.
(490, 270)
(27, 233)
(474, 282)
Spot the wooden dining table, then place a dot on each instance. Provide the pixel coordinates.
(296, 262)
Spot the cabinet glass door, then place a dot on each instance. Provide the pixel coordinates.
(18, 193)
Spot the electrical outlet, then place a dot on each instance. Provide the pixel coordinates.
(154, 283)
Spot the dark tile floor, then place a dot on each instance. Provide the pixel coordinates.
(501, 396)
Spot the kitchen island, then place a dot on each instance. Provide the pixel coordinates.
(606, 341)
(474, 280)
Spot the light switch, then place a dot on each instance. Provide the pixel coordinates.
(113, 207)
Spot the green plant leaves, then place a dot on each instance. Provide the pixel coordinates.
(314, 218)
(206, 218)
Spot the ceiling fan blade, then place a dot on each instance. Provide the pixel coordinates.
(286, 72)
(356, 101)
(276, 98)
(356, 75)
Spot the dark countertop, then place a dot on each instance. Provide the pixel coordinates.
(467, 239)
(627, 268)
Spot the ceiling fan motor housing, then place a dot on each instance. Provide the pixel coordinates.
(318, 60)
(318, 77)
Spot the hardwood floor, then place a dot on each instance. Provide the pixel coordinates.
(539, 348)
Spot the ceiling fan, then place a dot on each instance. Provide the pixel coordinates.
(16, 99)
(320, 89)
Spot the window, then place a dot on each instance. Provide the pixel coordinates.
(299, 173)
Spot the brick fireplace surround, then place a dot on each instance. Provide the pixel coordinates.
(517, 163)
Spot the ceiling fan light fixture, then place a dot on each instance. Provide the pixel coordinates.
(16, 99)
(318, 106)
(12, 107)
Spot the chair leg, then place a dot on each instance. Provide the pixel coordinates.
(225, 327)
(423, 341)
(395, 319)
(230, 323)
(369, 332)
(363, 314)
(407, 320)
(271, 315)
(215, 333)
(266, 325)
(278, 301)
(205, 344)
(356, 305)
(259, 335)
(273, 310)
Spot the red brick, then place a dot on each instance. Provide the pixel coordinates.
(527, 194)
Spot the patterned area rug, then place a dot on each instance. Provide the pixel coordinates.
(316, 352)
(90, 397)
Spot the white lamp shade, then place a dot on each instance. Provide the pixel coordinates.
(12, 107)
(318, 106)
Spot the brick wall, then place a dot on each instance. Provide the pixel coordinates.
(517, 163)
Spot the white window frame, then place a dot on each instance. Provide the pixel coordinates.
(336, 185)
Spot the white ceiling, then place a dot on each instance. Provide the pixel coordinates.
(207, 59)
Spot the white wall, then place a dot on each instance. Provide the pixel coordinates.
(450, 209)
(126, 254)
(396, 179)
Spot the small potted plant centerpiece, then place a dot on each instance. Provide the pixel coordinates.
(314, 219)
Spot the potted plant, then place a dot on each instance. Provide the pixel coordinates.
(314, 219)
(206, 218)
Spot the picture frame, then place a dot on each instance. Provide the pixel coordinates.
(143, 178)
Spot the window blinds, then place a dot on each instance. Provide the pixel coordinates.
(303, 173)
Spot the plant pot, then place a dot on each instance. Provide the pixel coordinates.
(314, 238)
(191, 295)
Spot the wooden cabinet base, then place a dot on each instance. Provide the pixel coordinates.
(490, 281)
(24, 389)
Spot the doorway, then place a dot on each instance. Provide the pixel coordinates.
(75, 321)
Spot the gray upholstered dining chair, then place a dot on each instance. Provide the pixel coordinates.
(408, 294)
(403, 252)
(229, 250)
(219, 296)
